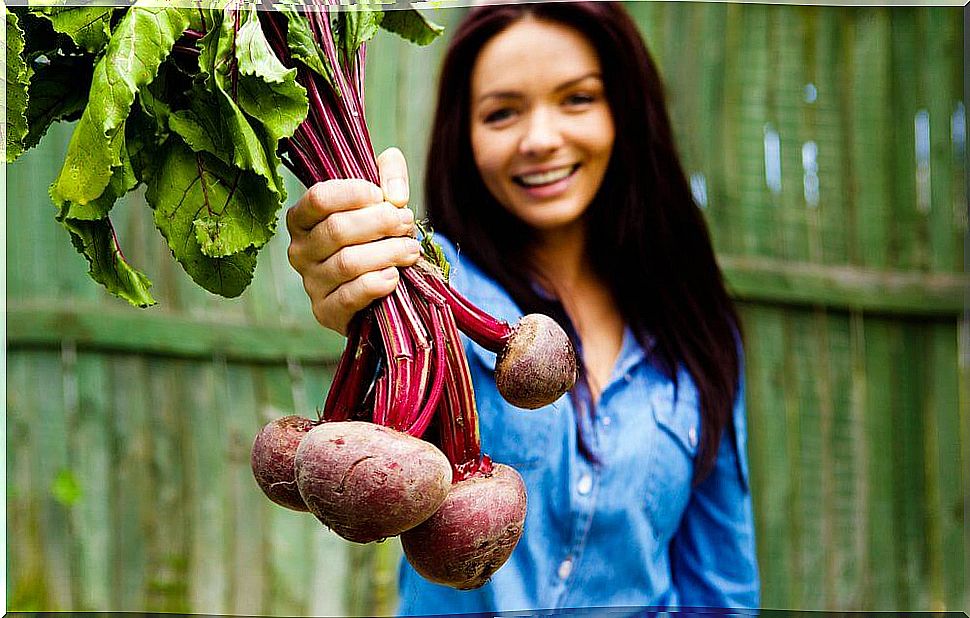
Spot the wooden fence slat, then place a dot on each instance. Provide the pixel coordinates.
(870, 150)
(943, 392)
(908, 240)
(27, 586)
(49, 460)
(880, 418)
(793, 68)
(248, 563)
(909, 497)
(206, 448)
(861, 595)
(807, 457)
(771, 473)
(91, 451)
(168, 535)
(131, 488)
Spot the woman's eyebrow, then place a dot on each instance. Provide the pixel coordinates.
(513, 94)
(500, 94)
(572, 82)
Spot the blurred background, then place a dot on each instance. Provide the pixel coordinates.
(827, 147)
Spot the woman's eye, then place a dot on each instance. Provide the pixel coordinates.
(580, 99)
(498, 115)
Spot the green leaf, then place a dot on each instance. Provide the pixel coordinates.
(267, 91)
(203, 206)
(58, 91)
(141, 41)
(411, 25)
(355, 27)
(95, 240)
(17, 82)
(304, 48)
(122, 181)
(88, 26)
(216, 125)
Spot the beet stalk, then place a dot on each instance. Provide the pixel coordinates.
(473, 532)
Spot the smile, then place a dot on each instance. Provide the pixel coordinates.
(541, 179)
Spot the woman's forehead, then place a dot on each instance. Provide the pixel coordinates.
(534, 52)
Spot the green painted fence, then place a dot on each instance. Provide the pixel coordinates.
(827, 147)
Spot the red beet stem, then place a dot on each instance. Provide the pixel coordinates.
(354, 373)
(461, 440)
(488, 332)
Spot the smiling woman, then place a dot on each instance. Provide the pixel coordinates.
(555, 187)
(541, 128)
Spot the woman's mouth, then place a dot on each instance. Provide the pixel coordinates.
(545, 179)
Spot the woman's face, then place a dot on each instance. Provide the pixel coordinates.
(541, 128)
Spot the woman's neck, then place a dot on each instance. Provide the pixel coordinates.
(561, 258)
(565, 268)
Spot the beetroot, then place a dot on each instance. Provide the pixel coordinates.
(272, 459)
(473, 533)
(537, 365)
(535, 362)
(367, 482)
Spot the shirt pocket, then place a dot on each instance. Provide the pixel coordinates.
(671, 463)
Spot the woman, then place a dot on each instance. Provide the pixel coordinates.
(552, 170)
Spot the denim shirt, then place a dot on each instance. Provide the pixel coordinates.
(630, 531)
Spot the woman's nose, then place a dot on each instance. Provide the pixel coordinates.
(542, 135)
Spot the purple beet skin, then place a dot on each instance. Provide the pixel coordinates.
(473, 533)
(273, 457)
(367, 482)
(537, 365)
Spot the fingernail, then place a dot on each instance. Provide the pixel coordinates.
(389, 274)
(406, 216)
(397, 190)
(413, 246)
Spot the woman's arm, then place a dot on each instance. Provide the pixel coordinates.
(712, 554)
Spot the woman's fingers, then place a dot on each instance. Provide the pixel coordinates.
(350, 227)
(326, 198)
(393, 170)
(351, 262)
(349, 237)
(355, 276)
(336, 309)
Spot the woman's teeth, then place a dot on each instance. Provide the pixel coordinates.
(545, 178)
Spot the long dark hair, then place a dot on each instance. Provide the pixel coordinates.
(647, 239)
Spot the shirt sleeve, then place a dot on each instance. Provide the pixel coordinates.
(712, 554)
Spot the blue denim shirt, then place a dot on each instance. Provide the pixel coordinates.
(631, 531)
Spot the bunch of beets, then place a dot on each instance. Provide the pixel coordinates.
(366, 468)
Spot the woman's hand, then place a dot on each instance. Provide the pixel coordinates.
(348, 238)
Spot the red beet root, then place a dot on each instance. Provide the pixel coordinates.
(367, 482)
(537, 365)
(473, 533)
(272, 460)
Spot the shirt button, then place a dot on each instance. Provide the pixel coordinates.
(628, 377)
(565, 568)
(692, 436)
(606, 421)
(585, 484)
